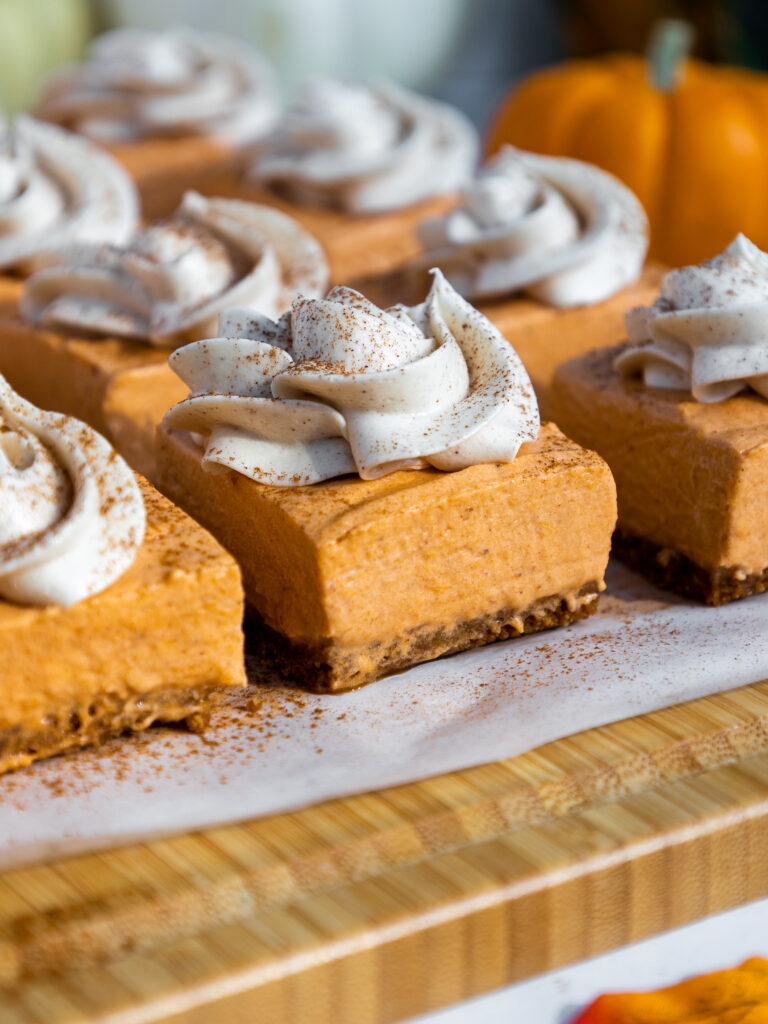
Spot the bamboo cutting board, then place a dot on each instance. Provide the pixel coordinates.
(378, 907)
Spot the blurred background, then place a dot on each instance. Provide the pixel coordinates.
(467, 51)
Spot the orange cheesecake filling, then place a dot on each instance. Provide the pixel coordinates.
(544, 337)
(362, 561)
(690, 476)
(164, 169)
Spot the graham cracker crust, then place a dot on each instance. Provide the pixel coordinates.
(326, 667)
(670, 569)
(103, 718)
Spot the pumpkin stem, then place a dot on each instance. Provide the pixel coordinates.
(670, 43)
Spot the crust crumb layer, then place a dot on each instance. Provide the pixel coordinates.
(327, 667)
(103, 718)
(672, 570)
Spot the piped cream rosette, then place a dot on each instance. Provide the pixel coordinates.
(366, 149)
(137, 84)
(340, 386)
(58, 189)
(707, 333)
(71, 513)
(171, 281)
(561, 230)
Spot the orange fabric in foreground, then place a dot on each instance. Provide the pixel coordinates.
(737, 996)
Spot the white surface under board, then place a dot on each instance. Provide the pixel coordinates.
(713, 944)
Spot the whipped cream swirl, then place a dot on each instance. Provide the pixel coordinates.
(707, 332)
(173, 279)
(365, 150)
(563, 231)
(136, 84)
(57, 189)
(340, 386)
(71, 513)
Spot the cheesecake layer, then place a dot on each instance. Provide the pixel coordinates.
(352, 567)
(10, 290)
(544, 337)
(691, 477)
(134, 403)
(164, 169)
(96, 380)
(149, 647)
(356, 245)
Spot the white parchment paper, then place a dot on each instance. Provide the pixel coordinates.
(275, 749)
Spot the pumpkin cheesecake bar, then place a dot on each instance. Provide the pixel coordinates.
(91, 333)
(382, 480)
(359, 167)
(176, 108)
(680, 414)
(116, 610)
(550, 250)
(352, 579)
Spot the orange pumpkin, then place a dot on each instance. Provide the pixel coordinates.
(694, 151)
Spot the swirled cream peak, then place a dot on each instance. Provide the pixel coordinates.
(340, 386)
(172, 279)
(136, 84)
(71, 513)
(57, 189)
(364, 149)
(707, 332)
(563, 231)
